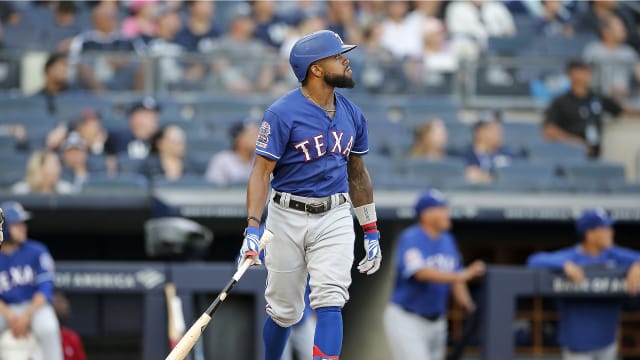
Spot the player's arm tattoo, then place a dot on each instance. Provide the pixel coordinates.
(360, 187)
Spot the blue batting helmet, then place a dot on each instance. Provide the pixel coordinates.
(313, 47)
(13, 213)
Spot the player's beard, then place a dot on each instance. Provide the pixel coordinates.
(339, 81)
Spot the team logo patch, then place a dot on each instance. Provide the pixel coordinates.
(263, 135)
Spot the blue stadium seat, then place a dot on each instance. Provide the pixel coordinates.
(434, 173)
(118, 185)
(556, 152)
(127, 165)
(525, 176)
(510, 46)
(596, 171)
(96, 163)
(186, 182)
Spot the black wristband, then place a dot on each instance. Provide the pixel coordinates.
(254, 219)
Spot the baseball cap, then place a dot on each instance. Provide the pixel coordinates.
(487, 117)
(14, 212)
(430, 199)
(593, 219)
(74, 141)
(146, 103)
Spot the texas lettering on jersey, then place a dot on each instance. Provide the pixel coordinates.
(318, 146)
(16, 276)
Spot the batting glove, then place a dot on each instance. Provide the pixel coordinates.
(371, 262)
(250, 245)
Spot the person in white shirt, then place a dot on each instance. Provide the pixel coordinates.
(401, 35)
(472, 22)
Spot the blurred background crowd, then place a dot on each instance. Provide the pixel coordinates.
(147, 92)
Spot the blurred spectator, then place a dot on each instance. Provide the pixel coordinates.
(199, 31)
(380, 71)
(165, 47)
(43, 176)
(472, 22)
(234, 166)
(89, 127)
(140, 22)
(28, 273)
(116, 70)
(65, 27)
(72, 347)
(487, 153)
(270, 28)
(424, 10)
(555, 19)
(370, 13)
(241, 63)
(602, 9)
(341, 17)
(74, 161)
(430, 141)
(56, 79)
(437, 58)
(617, 63)
(401, 36)
(576, 116)
(167, 159)
(134, 141)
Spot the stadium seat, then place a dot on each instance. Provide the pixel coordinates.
(96, 163)
(525, 176)
(435, 173)
(186, 182)
(597, 171)
(119, 185)
(556, 152)
(127, 165)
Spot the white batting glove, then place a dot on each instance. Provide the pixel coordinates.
(250, 246)
(371, 262)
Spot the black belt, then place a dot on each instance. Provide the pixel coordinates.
(314, 208)
(434, 317)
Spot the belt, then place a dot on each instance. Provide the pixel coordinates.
(434, 317)
(311, 208)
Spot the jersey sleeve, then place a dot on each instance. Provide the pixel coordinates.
(273, 136)
(45, 274)
(410, 257)
(611, 106)
(552, 114)
(625, 257)
(361, 143)
(549, 260)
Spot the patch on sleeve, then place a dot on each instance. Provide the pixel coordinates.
(263, 135)
(46, 262)
(413, 260)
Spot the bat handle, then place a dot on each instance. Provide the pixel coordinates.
(189, 339)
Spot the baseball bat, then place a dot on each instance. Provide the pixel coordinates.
(182, 349)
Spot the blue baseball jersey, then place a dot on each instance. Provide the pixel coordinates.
(586, 324)
(311, 149)
(417, 250)
(26, 271)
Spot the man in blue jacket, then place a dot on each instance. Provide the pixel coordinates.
(587, 327)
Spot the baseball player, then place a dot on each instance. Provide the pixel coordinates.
(26, 284)
(587, 327)
(428, 268)
(311, 141)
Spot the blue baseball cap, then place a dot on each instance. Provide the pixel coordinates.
(593, 219)
(313, 47)
(430, 199)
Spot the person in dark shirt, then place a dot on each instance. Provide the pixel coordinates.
(115, 71)
(576, 116)
(602, 9)
(168, 155)
(487, 153)
(199, 31)
(56, 79)
(134, 142)
(270, 27)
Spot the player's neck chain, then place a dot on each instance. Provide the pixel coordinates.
(308, 96)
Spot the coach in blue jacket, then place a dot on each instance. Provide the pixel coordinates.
(587, 327)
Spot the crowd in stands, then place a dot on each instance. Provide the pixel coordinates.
(100, 48)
